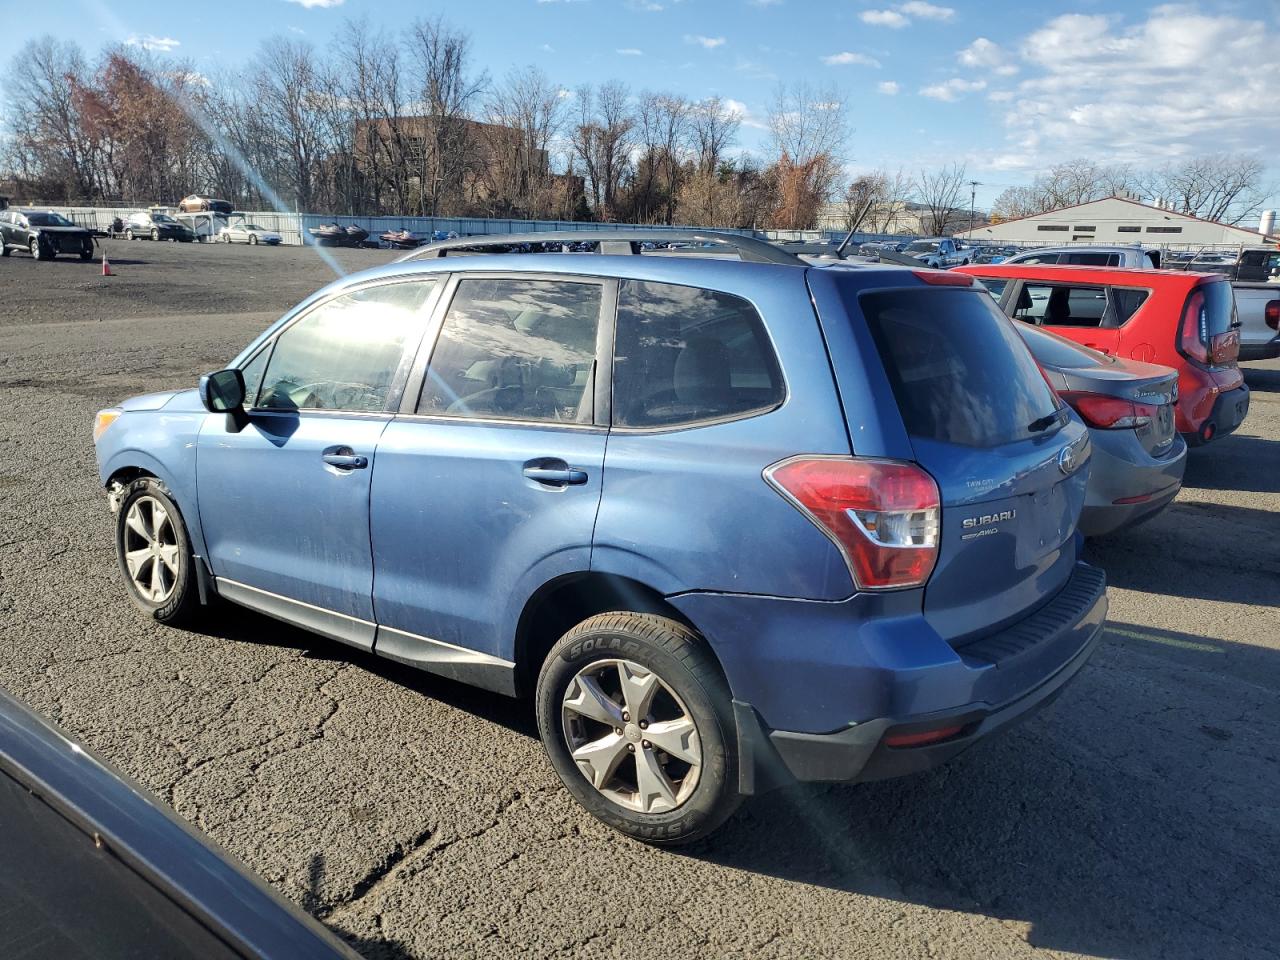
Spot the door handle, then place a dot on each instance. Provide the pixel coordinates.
(344, 458)
(554, 473)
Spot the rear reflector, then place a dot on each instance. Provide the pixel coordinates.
(1272, 314)
(944, 278)
(1140, 498)
(883, 515)
(1109, 413)
(923, 738)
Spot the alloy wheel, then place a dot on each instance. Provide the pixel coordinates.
(631, 736)
(151, 551)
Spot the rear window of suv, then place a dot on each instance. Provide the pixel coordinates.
(959, 371)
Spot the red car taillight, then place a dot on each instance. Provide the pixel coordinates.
(1193, 337)
(1272, 314)
(1109, 413)
(883, 515)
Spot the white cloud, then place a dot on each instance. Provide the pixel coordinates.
(1176, 83)
(888, 87)
(1000, 96)
(984, 54)
(764, 3)
(845, 58)
(926, 11)
(707, 43)
(738, 110)
(953, 89)
(547, 48)
(321, 4)
(629, 52)
(884, 18)
(564, 93)
(150, 42)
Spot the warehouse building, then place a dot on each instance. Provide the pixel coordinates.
(1116, 220)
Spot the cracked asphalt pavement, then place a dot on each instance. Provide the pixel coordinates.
(1136, 817)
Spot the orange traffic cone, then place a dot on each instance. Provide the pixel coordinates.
(106, 267)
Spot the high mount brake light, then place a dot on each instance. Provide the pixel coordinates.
(1109, 413)
(883, 515)
(944, 278)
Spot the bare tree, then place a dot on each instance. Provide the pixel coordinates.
(602, 141)
(940, 194)
(524, 114)
(1224, 187)
(285, 83)
(1065, 184)
(448, 92)
(713, 129)
(808, 130)
(48, 140)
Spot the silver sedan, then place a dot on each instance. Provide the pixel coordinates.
(1138, 456)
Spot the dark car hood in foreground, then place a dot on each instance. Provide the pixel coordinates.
(95, 867)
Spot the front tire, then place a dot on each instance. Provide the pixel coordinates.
(636, 720)
(154, 553)
(128, 234)
(86, 253)
(155, 234)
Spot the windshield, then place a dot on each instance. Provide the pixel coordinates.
(48, 220)
(252, 226)
(921, 246)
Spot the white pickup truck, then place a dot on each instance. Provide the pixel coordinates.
(1258, 313)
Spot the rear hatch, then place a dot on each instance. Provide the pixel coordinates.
(1009, 458)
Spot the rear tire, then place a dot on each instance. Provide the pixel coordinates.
(155, 234)
(4, 250)
(38, 251)
(128, 234)
(86, 253)
(153, 551)
(672, 789)
(253, 240)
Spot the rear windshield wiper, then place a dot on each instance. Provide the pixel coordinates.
(1045, 422)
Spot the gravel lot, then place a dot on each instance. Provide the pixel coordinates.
(1137, 817)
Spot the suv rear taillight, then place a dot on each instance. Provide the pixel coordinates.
(1193, 336)
(1109, 413)
(883, 515)
(1272, 314)
(1196, 341)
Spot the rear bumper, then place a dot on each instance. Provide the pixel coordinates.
(1123, 470)
(1228, 412)
(915, 683)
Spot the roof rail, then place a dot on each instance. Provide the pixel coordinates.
(612, 242)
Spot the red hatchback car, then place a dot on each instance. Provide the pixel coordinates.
(1182, 320)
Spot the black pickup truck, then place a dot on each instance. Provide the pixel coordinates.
(1252, 265)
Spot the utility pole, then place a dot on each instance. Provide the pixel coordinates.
(973, 196)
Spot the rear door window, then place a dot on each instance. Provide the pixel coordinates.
(684, 354)
(1061, 305)
(514, 349)
(1038, 258)
(959, 371)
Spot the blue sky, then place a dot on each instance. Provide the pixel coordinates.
(1005, 87)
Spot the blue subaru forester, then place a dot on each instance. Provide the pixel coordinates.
(731, 520)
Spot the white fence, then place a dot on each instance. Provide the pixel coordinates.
(293, 227)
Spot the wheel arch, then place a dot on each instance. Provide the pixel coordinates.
(562, 603)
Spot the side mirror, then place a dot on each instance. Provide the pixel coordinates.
(223, 392)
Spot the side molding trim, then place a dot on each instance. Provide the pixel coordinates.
(327, 623)
(445, 659)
